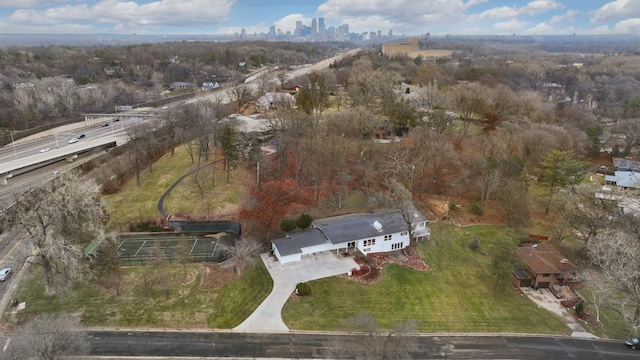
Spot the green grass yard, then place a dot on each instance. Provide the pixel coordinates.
(135, 203)
(456, 295)
(188, 304)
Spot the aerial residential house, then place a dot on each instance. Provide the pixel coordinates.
(627, 174)
(271, 101)
(208, 85)
(624, 179)
(114, 71)
(182, 85)
(365, 233)
(544, 267)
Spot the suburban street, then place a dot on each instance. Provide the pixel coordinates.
(307, 346)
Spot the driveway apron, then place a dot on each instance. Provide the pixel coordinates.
(267, 317)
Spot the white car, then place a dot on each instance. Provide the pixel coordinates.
(165, 107)
(4, 274)
(44, 150)
(74, 140)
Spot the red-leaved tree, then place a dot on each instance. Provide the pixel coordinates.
(272, 201)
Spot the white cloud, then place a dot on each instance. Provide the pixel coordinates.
(530, 9)
(129, 14)
(31, 4)
(569, 15)
(617, 9)
(627, 26)
(510, 26)
(408, 12)
(542, 29)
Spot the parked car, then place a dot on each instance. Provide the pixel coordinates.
(74, 140)
(80, 136)
(165, 107)
(44, 150)
(116, 120)
(4, 274)
(56, 173)
(105, 124)
(633, 343)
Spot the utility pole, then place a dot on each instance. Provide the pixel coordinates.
(258, 174)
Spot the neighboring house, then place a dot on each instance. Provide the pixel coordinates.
(623, 164)
(624, 179)
(366, 233)
(114, 71)
(275, 100)
(182, 85)
(544, 267)
(210, 85)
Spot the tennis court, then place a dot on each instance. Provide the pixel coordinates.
(137, 249)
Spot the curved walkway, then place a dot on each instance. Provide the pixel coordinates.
(166, 193)
(267, 317)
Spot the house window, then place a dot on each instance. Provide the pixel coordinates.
(396, 246)
(369, 242)
(387, 237)
(545, 275)
(404, 233)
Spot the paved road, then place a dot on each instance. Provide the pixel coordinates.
(308, 346)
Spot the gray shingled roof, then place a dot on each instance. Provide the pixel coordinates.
(295, 241)
(354, 227)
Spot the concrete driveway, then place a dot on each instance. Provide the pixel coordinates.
(545, 299)
(267, 317)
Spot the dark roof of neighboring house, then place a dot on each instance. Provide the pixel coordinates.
(622, 163)
(544, 259)
(354, 227)
(295, 241)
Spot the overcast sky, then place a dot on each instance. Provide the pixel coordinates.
(439, 17)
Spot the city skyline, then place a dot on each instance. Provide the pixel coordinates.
(227, 17)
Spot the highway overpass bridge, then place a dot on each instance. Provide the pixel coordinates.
(70, 152)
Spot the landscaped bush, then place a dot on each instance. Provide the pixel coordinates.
(304, 221)
(303, 289)
(475, 243)
(147, 226)
(476, 209)
(288, 225)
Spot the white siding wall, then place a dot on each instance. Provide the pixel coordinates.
(317, 248)
(382, 245)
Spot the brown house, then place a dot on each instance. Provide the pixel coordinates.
(544, 267)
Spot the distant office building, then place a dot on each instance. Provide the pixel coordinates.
(346, 29)
(390, 34)
(298, 31)
(340, 32)
(272, 31)
(243, 33)
(331, 31)
(411, 49)
(379, 35)
(321, 28)
(314, 27)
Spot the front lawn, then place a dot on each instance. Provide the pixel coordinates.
(189, 304)
(456, 295)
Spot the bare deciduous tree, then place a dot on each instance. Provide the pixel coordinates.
(615, 252)
(61, 217)
(242, 250)
(48, 337)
